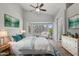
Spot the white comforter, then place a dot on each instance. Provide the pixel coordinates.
(39, 43)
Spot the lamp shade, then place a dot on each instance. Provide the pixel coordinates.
(3, 33)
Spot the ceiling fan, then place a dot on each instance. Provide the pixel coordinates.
(38, 7)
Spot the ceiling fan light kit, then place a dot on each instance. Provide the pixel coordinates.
(38, 8)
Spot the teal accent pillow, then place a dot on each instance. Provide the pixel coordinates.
(22, 36)
(17, 38)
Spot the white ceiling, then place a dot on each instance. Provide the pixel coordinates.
(52, 8)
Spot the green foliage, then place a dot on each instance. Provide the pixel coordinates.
(50, 31)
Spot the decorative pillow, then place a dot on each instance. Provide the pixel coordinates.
(17, 38)
(22, 36)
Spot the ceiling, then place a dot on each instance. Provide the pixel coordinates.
(52, 8)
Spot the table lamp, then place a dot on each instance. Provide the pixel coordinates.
(3, 34)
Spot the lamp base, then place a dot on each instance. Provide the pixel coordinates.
(1, 41)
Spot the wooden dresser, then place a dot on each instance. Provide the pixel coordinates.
(71, 45)
(5, 49)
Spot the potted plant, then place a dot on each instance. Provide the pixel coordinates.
(50, 31)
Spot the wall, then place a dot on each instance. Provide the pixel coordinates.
(71, 11)
(59, 24)
(33, 17)
(13, 10)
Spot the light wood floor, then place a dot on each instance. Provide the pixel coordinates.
(58, 45)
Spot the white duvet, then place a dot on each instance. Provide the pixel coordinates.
(42, 44)
(38, 43)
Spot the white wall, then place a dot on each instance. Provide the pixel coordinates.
(32, 17)
(12, 10)
(59, 24)
(73, 10)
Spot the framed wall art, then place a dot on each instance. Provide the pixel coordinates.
(73, 21)
(10, 21)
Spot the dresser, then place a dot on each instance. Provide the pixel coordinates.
(5, 48)
(70, 44)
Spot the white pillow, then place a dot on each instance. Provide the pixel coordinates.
(12, 39)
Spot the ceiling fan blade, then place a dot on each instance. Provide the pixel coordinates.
(41, 5)
(32, 6)
(43, 9)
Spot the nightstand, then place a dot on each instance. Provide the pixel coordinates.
(5, 49)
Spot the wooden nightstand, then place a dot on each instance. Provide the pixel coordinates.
(5, 49)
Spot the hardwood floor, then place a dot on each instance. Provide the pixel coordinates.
(58, 45)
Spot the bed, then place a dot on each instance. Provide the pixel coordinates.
(32, 45)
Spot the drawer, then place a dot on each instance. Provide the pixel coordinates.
(2, 48)
(74, 52)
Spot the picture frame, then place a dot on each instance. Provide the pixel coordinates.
(73, 22)
(10, 21)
